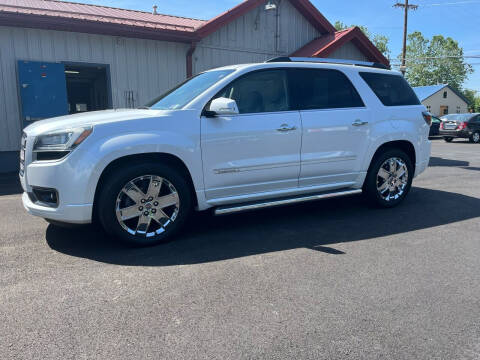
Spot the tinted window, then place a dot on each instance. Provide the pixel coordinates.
(323, 89)
(392, 90)
(181, 95)
(260, 91)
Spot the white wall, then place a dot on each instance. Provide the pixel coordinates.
(135, 65)
(251, 38)
(452, 101)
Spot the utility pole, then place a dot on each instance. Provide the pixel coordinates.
(407, 7)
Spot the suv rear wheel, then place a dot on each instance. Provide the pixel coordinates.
(144, 204)
(389, 178)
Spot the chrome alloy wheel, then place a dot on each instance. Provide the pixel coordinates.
(147, 205)
(392, 179)
(476, 137)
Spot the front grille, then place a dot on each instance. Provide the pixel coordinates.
(23, 148)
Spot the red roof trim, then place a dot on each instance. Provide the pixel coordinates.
(305, 7)
(325, 45)
(92, 27)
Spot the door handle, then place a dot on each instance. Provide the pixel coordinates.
(286, 128)
(359, 122)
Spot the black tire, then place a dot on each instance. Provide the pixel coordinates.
(475, 138)
(116, 181)
(448, 139)
(370, 186)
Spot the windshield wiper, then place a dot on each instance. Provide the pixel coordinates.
(143, 108)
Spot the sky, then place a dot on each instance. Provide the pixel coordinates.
(459, 19)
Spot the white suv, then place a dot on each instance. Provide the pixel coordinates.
(234, 138)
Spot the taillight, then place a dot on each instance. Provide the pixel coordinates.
(441, 125)
(427, 117)
(462, 126)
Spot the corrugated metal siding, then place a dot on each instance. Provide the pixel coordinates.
(251, 38)
(349, 52)
(135, 65)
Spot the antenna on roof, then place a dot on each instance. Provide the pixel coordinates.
(155, 10)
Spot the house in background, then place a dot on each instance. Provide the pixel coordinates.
(442, 99)
(61, 57)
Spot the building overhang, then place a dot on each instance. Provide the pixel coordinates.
(325, 45)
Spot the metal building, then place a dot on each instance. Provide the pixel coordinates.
(59, 57)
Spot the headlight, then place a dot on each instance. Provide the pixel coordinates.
(61, 141)
(57, 145)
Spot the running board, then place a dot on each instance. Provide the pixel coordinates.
(230, 209)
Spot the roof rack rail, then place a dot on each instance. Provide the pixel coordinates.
(328, 61)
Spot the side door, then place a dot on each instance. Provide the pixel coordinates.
(43, 90)
(335, 127)
(258, 150)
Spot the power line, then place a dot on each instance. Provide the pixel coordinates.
(453, 3)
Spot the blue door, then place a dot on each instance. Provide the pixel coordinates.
(43, 90)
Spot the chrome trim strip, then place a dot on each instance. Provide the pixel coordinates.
(254, 167)
(328, 159)
(272, 203)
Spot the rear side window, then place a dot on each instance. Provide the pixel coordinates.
(323, 89)
(392, 90)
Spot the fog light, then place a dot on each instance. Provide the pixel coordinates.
(44, 196)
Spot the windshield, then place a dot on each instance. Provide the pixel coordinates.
(182, 94)
(457, 117)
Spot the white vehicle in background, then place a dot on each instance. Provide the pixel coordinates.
(235, 138)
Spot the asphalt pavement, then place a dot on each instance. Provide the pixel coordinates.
(331, 279)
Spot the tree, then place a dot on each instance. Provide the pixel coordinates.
(470, 95)
(380, 41)
(436, 61)
(473, 98)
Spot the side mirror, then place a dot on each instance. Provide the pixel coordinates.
(223, 106)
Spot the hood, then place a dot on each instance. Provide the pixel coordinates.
(90, 118)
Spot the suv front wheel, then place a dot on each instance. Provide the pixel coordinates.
(389, 178)
(144, 204)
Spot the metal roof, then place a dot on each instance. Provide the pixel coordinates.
(97, 13)
(424, 92)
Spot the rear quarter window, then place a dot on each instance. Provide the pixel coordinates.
(391, 90)
(315, 89)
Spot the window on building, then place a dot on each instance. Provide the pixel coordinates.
(445, 94)
(444, 110)
(458, 109)
(392, 90)
(429, 108)
(323, 89)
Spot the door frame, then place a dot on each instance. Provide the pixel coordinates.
(107, 73)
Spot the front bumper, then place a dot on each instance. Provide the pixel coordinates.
(74, 214)
(67, 178)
